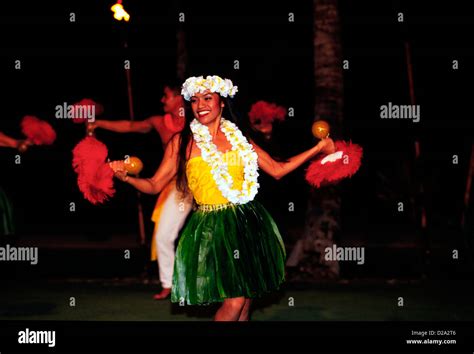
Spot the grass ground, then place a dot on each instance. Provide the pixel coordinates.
(131, 300)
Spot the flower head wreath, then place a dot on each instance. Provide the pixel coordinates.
(193, 85)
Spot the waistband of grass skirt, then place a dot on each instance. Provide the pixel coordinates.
(213, 207)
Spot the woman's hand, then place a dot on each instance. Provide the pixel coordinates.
(22, 145)
(327, 146)
(90, 127)
(119, 170)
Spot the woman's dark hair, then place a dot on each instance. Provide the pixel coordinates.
(174, 85)
(186, 136)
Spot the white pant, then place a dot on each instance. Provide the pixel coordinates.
(171, 220)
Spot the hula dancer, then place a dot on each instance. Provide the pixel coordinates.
(230, 250)
(7, 226)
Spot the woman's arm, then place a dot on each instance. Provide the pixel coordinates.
(6, 141)
(278, 169)
(163, 175)
(124, 126)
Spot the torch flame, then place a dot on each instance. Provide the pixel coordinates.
(119, 12)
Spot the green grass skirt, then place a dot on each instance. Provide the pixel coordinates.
(237, 251)
(6, 215)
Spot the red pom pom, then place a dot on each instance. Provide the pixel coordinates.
(84, 106)
(38, 131)
(345, 166)
(94, 176)
(266, 112)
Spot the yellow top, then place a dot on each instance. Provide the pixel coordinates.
(202, 184)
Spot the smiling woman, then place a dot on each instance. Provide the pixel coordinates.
(230, 250)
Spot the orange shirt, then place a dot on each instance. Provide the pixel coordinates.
(166, 126)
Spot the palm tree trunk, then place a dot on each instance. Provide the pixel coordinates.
(323, 210)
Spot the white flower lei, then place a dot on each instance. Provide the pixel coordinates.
(219, 168)
(193, 85)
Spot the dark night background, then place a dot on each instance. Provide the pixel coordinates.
(65, 62)
(81, 253)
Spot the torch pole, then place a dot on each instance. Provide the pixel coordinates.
(467, 192)
(418, 173)
(141, 222)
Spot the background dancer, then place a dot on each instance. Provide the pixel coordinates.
(7, 226)
(171, 208)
